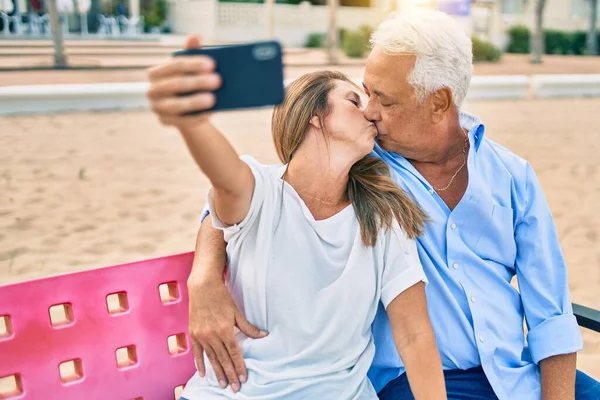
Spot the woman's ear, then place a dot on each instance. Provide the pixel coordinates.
(316, 122)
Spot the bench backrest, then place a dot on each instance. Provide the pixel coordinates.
(110, 333)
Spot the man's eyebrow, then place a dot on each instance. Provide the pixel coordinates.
(378, 92)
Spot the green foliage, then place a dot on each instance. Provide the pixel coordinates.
(519, 37)
(315, 40)
(579, 41)
(366, 31)
(485, 51)
(154, 12)
(354, 44)
(555, 42)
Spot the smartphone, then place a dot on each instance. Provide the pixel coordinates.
(251, 73)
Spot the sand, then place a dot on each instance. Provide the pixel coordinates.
(85, 190)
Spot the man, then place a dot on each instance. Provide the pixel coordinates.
(489, 222)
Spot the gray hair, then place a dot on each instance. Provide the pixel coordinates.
(443, 50)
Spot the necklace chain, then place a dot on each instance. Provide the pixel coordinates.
(323, 201)
(464, 152)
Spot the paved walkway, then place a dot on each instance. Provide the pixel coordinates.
(127, 61)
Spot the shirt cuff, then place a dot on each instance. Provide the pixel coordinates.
(556, 335)
(400, 283)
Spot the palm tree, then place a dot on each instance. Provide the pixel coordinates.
(537, 38)
(592, 38)
(333, 33)
(270, 5)
(60, 60)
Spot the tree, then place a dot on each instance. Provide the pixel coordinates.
(592, 38)
(270, 4)
(60, 60)
(332, 40)
(537, 38)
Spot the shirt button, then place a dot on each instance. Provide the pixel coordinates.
(455, 266)
(472, 299)
(453, 226)
(481, 339)
(406, 252)
(431, 191)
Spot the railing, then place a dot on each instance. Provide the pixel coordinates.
(39, 25)
(587, 317)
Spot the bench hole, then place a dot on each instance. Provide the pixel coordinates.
(178, 391)
(169, 292)
(117, 303)
(11, 386)
(126, 357)
(177, 344)
(71, 371)
(6, 329)
(61, 315)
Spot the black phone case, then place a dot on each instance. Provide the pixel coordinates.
(252, 74)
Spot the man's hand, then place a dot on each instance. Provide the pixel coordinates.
(213, 317)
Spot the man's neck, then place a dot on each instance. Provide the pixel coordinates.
(449, 149)
(448, 173)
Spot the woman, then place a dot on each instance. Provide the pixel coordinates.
(313, 245)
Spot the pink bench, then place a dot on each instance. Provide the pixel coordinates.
(115, 333)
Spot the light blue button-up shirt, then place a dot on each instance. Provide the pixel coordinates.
(502, 227)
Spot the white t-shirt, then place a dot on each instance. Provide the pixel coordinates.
(315, 287)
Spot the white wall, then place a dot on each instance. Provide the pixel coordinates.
(193, 16)
(235, 22)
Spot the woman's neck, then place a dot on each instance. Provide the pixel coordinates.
(319, 180)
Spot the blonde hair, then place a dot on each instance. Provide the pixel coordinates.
(376, 198)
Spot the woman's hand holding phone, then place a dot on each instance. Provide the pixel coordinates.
(171, 81)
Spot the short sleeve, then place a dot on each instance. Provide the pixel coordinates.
(402, 267)
(261, 186)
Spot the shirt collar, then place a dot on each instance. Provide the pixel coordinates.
(474, 126)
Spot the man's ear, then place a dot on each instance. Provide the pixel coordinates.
(441, 102)
(316, 122)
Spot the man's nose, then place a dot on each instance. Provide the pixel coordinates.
(370, 112)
